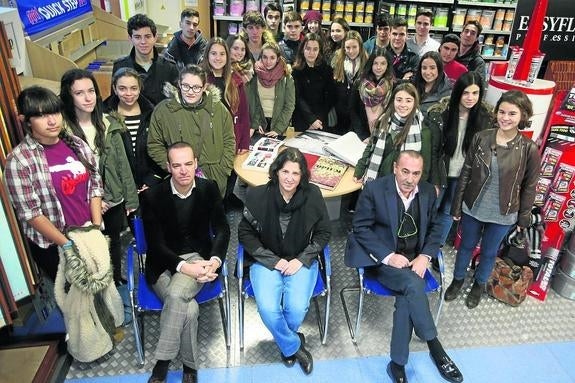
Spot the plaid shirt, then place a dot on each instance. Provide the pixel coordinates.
(30, 186)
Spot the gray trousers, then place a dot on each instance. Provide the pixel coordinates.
(179, 318)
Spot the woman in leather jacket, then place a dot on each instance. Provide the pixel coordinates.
(495, 191)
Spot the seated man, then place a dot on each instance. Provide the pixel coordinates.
(179, 216)
(395, 228)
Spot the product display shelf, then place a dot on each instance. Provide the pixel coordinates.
(485, 31)
(425, 1)
(492, 5)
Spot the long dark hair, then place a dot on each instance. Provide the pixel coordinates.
(36, 101)
(418, 78)
(367, 73)
(300, 62)
(69, 111)
(451, 115)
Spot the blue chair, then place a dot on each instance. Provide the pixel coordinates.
(322, 288)
(369, 285)
(144, 299)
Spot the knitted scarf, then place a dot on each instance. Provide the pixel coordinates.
(269, 78)
(373, 94)
(286, 246)
(396, 125)
(244, 69)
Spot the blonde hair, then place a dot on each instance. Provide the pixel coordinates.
(339, 59)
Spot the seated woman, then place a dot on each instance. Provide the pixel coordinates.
(284, 228)
(430, 81)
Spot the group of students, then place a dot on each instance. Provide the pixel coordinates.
(86, 160)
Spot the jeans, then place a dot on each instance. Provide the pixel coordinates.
(444, 216)
(283, 302)
(472, 231)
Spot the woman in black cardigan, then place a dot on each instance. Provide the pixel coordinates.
(285, 227)
(314, 85)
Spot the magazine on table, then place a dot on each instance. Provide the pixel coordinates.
(325, 172)
(348, 148)
(263, 153)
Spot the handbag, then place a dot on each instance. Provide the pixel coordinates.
(508, 282)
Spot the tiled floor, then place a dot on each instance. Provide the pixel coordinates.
(493, 343)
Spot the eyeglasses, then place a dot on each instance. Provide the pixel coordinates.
(187, 87)
(407, 226)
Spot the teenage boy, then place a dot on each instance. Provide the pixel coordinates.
(421, 42)
(381, 38)
(154, 69)
(448, 52)
(273, 16)
(469, 49)
(188, 44)
(255, 32)
(404, 61)
(293, 26)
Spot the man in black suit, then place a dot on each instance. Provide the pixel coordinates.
(396, 235)
(187, 235)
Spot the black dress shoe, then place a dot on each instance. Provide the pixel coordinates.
(447, 369)
(289, 361)
(305, 360)
(474, 296)
(453, 290)
(396, 376)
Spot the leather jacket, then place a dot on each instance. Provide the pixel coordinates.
(518, 173)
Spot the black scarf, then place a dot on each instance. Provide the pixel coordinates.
(294, 241)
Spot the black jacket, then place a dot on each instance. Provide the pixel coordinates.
(314, 91)
(161, 226)
(317, 227)
(160, 72)
(407, 61)
(473, 61)
(182, 54)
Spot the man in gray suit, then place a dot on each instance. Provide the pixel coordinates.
(179, 215)
(395, 234)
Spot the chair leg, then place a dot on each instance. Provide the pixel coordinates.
(241, 312)
(138, 325)
(228, 325)
(351, 326)
(138, 330)
(327, 312)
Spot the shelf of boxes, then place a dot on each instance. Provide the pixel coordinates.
(486, 4)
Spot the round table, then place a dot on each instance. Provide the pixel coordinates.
(332, 197)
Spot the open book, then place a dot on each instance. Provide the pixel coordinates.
(263, 153)
(348, 148)
(311, 141)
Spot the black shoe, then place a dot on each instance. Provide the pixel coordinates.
(305, 360)
(474, 296)
(395, 375)
(447, 369)
(288, 361)
(301, 338)
(453, 290)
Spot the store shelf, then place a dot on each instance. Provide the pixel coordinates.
(357, 25)
(433, 29)
(494, 58)
(427, 1)
(228, 18)
(485, 31)
(493, 5)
